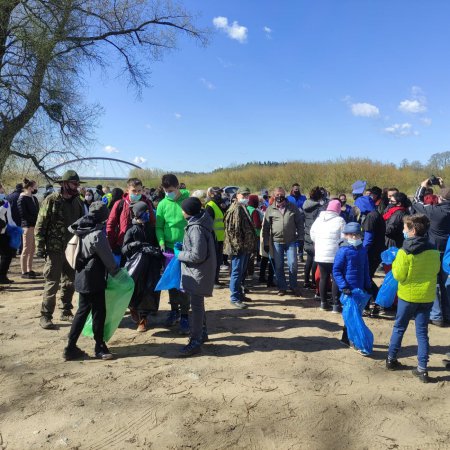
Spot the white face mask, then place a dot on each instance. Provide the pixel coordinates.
(243, 201)
(354, 242)
(88, 198)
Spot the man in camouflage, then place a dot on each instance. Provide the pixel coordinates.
(58, 211)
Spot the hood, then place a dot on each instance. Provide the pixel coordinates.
(325, 216)
(310, 205)
(417, 245)
(85, 225)
(365, 204)
(203, 219)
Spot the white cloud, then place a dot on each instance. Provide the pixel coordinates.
(401, 130)
(234, 31)
(110, 149)
(207, 84)
(426, 121)
(364, 110)
(412, 106)
(268, 32)
(139, 160)
(177, 116)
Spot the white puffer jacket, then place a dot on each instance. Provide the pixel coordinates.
(326, 232)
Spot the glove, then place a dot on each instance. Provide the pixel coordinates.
(41, 253)
(162, 247)
(267, 249)
(177, 248)
(347, 291)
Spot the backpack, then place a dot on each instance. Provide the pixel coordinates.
(73, 250)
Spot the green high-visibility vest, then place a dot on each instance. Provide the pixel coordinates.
(219, 227)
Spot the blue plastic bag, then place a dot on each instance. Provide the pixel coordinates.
(388, 291)
(171, 277)
(117, 258)
(15, 236)
(388, 256)
(446, 259)
(357, 331)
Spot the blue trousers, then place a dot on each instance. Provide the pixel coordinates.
(238, 267)
(279, 250)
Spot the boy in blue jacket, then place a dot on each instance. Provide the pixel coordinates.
(351, 265)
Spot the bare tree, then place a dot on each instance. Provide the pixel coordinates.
(45, 45)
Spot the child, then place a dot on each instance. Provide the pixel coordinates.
(415, 268)
(144, 268)
(351, 266)
(95, 258)
(198, 268)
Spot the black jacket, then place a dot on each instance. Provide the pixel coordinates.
(28, 209)
(311, 209)
(12, 200)
(374, 224)
(394, 229)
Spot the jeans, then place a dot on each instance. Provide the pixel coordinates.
(279, 250)
(406, 311)
(198, 317)
(238, 267)
(441, 305)
(88, 302)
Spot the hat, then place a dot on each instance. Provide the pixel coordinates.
(70, 175)
(358, 187)
(214, 190)
(445, 193)
(334, 205)
(99, 211)
(139, 208)
(352, 228)
(191, 206)
(243, 190)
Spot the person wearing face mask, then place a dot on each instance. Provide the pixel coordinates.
(346, 210)
(351, 265)
(393, 217)
(213, 208)
(170, 225)
(58, 211)
(120, 217)
(28, 206)
(88, 199)
(296, 196)
(283, 228)
(143, 264)
(239, 243)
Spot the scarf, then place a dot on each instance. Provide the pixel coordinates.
(387, 215)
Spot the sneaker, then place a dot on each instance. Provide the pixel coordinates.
(103, 353)
(32, 274)
(72, 353)
(393, 364)
(46, 323)
(239, 305)
(247, 299)
(437, 323)
(6, 280)
(360, 352)
(375, 311)
(316, 297)
(325, 307)
(336, 309)
(66, 316)
(422, 375)
(193, 348)
(172, 318)
(26, 276)
(282, 292)
(142, 326)
(184, 329)
(134, 315)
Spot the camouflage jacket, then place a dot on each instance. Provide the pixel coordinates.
(240, 236)
(50, 231)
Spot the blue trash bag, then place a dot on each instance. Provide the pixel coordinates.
(357, 331)
(446, 259)
(171, 277)
(388, 256)
(15, 236)
(117, 258)
(388, 291)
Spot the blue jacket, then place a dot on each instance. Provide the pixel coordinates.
(348, 215)
(351, 268)
(298, 202)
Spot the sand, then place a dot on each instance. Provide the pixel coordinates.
(274, 376)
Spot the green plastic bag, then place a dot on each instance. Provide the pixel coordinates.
(119, 290)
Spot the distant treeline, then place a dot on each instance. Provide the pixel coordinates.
(335, 175)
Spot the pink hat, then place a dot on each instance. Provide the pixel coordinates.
(334, 205)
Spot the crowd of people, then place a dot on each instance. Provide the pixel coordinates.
(210, 232)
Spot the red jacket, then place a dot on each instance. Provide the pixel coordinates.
(119, 221)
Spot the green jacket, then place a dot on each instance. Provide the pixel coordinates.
(51, 231)
(415, 268)
(170, 222)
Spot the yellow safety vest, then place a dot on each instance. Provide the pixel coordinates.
(219, 227)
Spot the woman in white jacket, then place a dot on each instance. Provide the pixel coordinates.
(326, 232)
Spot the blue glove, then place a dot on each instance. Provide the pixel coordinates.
(177, 248)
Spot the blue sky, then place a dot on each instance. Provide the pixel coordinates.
(289, 80)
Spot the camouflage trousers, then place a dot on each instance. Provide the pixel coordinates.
(58, 274)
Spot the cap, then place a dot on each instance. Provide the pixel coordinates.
(70, 175)
(358, 187)
(191, 206)
(352, 228)
(243, 190)
(214, 190)
(99, 211)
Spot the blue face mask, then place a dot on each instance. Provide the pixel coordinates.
(2, 196)
(171, 195)
(354, 242)
(145, 217)
(405, 235)
(135, 197)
